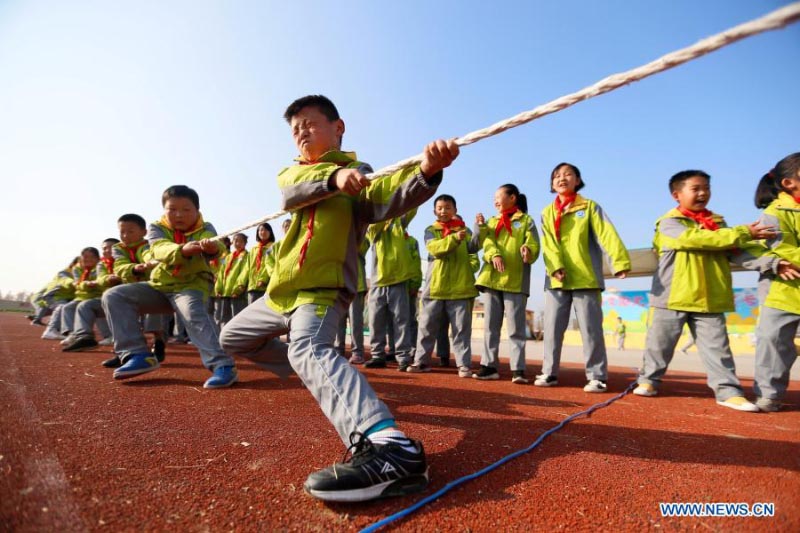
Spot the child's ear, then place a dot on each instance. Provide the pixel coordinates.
(340, 128)
(675, 195)
(786, 184)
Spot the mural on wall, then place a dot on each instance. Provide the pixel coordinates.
(633, 307)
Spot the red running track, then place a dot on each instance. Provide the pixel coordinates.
(80, 452)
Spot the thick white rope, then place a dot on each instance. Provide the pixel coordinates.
(775, 20)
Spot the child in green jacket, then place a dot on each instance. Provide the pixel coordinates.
(510, 245)
(575, 234)
(316, 277)
(232, 278)
(778, 194)
(258, 260)
(449, 288)
(183, 244)
(693, 286)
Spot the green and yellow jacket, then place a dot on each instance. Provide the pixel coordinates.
(59, 289)
(82, 277)
(517, 275)
(586, 234)
(450, 271)
(694, 273)
(127, 257)
(320, 266)
(783, 213)
(392, 252)
(174, 272)
(232, 275)
(258, 266)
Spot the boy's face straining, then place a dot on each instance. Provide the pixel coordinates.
(314, 134)
(694, 194)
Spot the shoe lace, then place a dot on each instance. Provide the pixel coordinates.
(359, 445)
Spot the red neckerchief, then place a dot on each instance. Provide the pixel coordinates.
(796, 199)
(133, 250)
(701, 217)
(258, 256)
(235, 255)
(560, 208)
(312, 211)
(109, 263)
(505, 221)
(453, 225)
(84, 275)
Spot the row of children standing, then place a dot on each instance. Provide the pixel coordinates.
(316, 277)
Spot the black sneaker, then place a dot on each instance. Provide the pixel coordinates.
(403, 367)
(372, 471)
(80, 343)
(114, 362)
(519, 377)
(159, 348)
(376, 362)
(486, 372)
(444, 361)
(391, 358)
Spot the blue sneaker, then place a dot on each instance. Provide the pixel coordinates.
(224, 376)
(138, 363)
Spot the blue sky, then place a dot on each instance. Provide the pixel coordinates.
(105, 104)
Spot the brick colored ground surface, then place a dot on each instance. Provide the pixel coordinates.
(80, 452)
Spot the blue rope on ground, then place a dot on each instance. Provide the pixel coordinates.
(460, 481)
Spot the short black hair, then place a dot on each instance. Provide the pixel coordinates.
(111, 240)
(575, 169)
(181, 191)
(91, 250)
(134, 218)
(676, 181)
(242, 235)
(445, 198)
(322, 103)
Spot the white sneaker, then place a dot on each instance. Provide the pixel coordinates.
(50, 335)
(464, 372)
(545, 381)
(108, 341)
(595, 385)
(739, 403)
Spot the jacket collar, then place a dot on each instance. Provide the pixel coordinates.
(333, 156)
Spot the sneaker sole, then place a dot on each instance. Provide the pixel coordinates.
(646, 394)
(223, 386)
(520, 381)
(131, 373)
(743, 408)
(486, 378)
(545, 384)
(390, 489)
(465, 374)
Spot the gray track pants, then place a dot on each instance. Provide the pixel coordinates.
(775, 352)
(87, 313)
(589, 312)
(512, 305)
(711, 335)
(434, 317)
(390, 303)
(124, 303)
(356, 317)
(342, 392)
